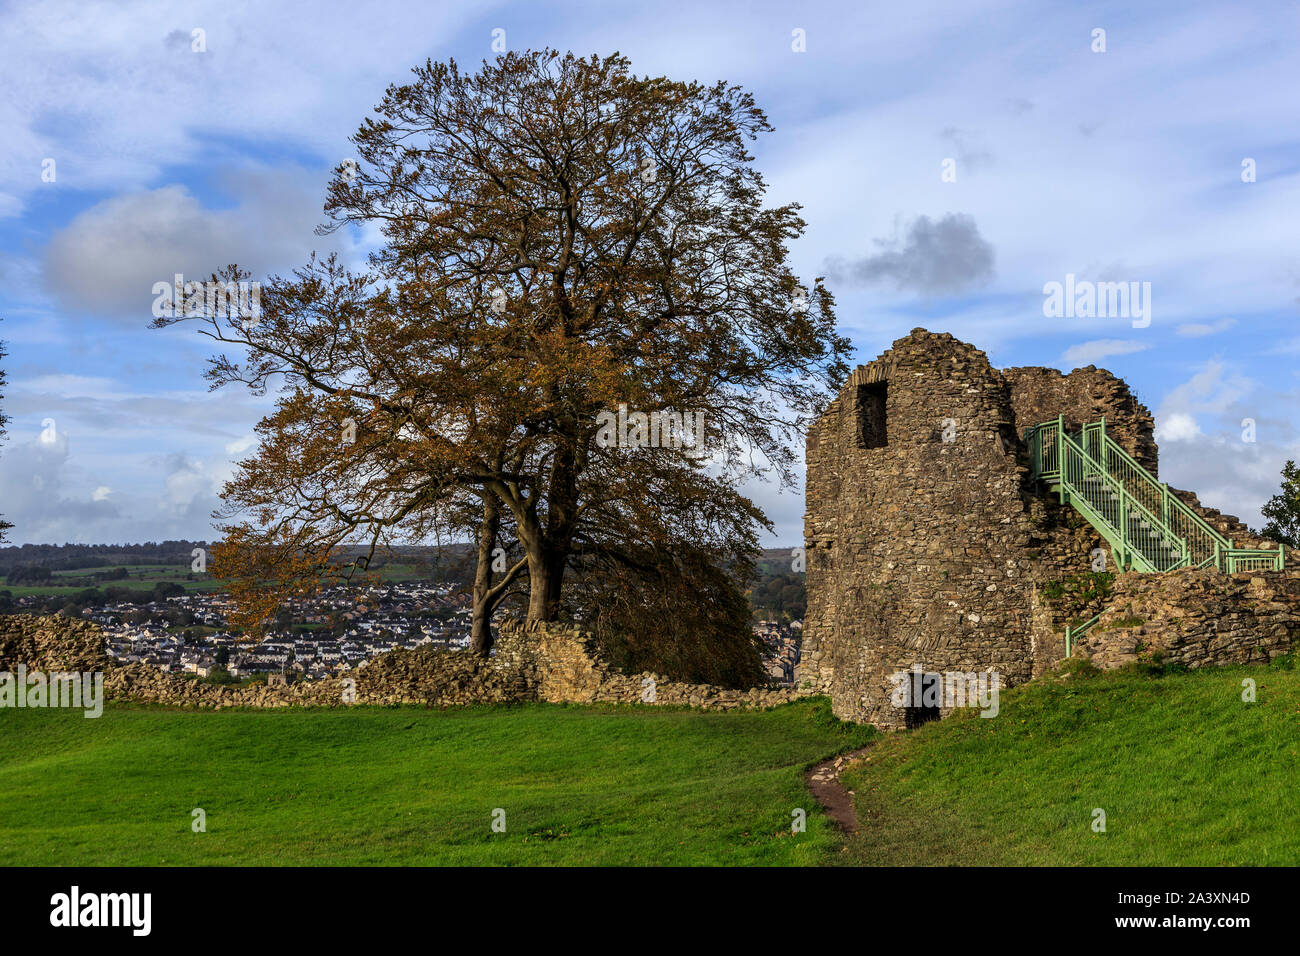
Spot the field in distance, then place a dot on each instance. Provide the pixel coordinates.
(145, 577)
(139, 577)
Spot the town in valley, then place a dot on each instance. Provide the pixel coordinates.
(154, 608)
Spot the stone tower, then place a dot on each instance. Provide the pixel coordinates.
(925, 539)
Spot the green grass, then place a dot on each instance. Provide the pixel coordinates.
(142, 577)
(580, 785)
(1186, 772)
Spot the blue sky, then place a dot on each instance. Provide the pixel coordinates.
(1122, 165)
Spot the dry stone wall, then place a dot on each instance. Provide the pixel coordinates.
(1196, 618)
(562, 663)
(51, 643)
(420, 676)
(549, 662)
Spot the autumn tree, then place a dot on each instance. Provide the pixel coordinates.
(561, 238)
(340, 461)
(616, 225)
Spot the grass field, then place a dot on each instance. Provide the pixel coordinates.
(143, 577)
(579, 785)
(1185, 771)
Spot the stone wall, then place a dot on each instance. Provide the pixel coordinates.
(1085, 395)
(1197, 619)
(926, 548)
(562, 663)
(420, 676)
(537, 662)
(51, 643)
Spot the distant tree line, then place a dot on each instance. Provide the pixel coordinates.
(36, 575)
(783, 594)
(75, 602)
(75, 557)
(29, 575)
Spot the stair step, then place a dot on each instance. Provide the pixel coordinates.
(1099, 494)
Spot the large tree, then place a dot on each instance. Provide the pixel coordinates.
(560, 237)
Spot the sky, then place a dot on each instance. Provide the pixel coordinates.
(952, 160)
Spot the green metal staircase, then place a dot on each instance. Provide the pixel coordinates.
(1148, 528)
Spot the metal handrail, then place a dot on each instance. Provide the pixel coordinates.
(1123, 515)
(1052, 460)
(1073, 634)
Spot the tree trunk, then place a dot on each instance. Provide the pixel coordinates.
(548, 550)
(480, 632)
(545, 580)
(540, 607)
(480, 635)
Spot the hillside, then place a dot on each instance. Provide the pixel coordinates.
(74, 575)
(1186, 772)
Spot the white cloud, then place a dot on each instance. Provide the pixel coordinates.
(1090, 353)
(50, 495)
(124, 466)
(241, 445)
(1177, 426)
(1201, 329)
(37, 500)
(1199, 428)
(1214, 388)
(106, 91)
(106, 261)
(190, 488)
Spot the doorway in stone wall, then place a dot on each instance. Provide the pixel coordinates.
(916, 716)
(919, 712)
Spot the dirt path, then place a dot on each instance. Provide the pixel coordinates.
(824, 782)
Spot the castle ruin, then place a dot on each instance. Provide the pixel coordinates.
(928, 542)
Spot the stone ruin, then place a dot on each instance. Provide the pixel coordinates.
(928, 543)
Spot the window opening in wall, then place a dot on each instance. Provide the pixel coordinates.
(871, 415)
